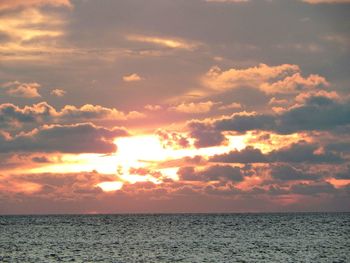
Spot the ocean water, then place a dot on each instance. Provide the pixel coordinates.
(299, 237)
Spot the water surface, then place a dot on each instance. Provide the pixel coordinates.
(300, 237)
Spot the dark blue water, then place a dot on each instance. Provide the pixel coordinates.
(319, 237)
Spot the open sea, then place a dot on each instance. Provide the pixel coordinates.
(290, 237)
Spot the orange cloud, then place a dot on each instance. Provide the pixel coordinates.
(45, 113)
(193, 107)
(132, 78)
(165, 42)
(283, 79)
(24, 90)
(294, 83)
(231, 106)
(153, 107)
(31, 24)
(12, 4)
(58, 92)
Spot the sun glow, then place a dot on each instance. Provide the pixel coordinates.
(110, 186)
(145, 152)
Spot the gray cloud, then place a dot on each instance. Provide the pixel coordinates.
(313, 189)
(12, 116)
(301, 152)
(286, 172)
(247, 155)
(212, 173)
(77, 138)
(205, 135)
(345, 175)
(319, 113)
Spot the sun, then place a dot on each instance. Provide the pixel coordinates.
(137, 149)
(133, 152)
(110, 186)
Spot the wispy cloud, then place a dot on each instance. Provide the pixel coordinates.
(192, 107)
(12, 4)
(174, 43)
(134, 77)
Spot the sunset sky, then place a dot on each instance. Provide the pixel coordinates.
(174, 106)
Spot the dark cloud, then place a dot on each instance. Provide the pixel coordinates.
(78, 138)
(247, 155)
(13, 117)
(205, 135)
(286, 172)
(212, 173)
(40, 159)
(319, 113)
(301, 152)
(313, 189)
(304, 152)
(345, 175)
(243, 123)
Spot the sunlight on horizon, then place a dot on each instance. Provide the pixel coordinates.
(140, 151)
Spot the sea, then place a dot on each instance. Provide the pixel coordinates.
(279, 237)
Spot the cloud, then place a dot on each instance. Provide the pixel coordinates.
(172, 139)
(275, 101)
(77, 138)
(212, 173)
(97, 112)
(32, 34)
(193, 107)
(242, 122)
(300, 152)
(205, 134)
(174, 43)
(232, 106)
(318, 113)
(12, 115)
(227, 1)
(326, 1)
(40, 159)
(283, 79)
(304, 152)
(12, 4)
(313, 188)
(30, 24)
(23, 90)
(214, 188)
(153, 107)
(132, 78)
(247, 155)
(320, 95)
(54, 187)
(345, 175)
(286, 172)
(58, 92)
(294, 83)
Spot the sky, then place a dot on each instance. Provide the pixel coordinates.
(167, 106)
